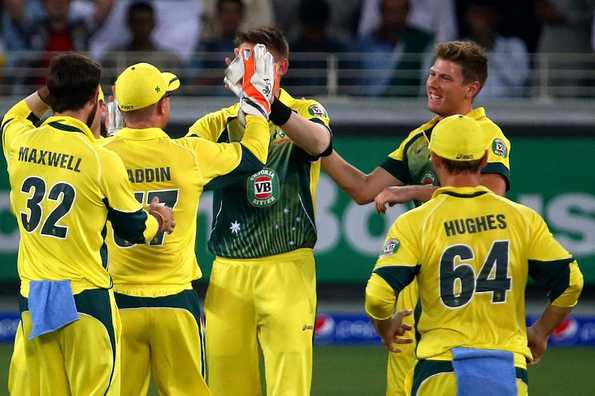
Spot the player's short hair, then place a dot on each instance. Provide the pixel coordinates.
(139, 6)
(72, 81)
(221, 3)
(469, 55)
(456, 167)
(272, 37)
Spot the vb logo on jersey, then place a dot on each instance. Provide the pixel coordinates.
(263, 188)
(499, 148)
(390, 247)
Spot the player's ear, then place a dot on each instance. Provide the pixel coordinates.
(472, 89)
(283, 66)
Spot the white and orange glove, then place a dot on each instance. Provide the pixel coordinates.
(256, 67)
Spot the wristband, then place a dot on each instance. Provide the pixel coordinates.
(279, 113)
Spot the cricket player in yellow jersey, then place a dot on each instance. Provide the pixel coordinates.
(262, 289)
(62, 196)
(161, 330)
(455, 78)
(470, 252)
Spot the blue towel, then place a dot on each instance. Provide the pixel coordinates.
(52, 306)
(484, 372)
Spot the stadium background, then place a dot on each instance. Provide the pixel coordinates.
(551, 125)
(551, 171)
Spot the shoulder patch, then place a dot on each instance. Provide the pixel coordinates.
(390, 247)
(316, 110)
(499, 148)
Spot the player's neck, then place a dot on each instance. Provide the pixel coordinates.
(461, 180)
(80, 115)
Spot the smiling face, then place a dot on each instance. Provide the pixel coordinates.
(446, 90)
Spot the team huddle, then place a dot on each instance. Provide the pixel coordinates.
(108, 228)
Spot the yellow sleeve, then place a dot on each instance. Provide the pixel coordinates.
(17, 120)
(395, 268)
(553, 266)
(222, 163)
(380, 298)
(129, 220)
(211, 125)
(314, 111)
(498, 153)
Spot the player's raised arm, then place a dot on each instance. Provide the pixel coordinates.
(127, 216)
(220, 163)
(23, 116)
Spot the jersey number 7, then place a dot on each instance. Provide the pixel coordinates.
(168, 197)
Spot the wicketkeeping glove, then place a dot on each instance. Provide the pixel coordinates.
(257, 82)
(233, 76)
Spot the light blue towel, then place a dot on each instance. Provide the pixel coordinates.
(484, 372)
(52, 306)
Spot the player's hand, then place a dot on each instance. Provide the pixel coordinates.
(389, 196)
(537, 342)
(163, 214)
(257, 82)
(391, 331)
(234, 74)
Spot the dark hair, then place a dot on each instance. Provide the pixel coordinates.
(140, 6)
(467, 54)
(270, 36)
(314, 12)
(72, 81)
(456, 167)
(239, 3)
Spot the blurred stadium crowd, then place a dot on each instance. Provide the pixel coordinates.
(537, 48)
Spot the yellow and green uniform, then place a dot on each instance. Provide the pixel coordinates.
(161, 330)
(263, 233)
(63, 190)
(470, 253)
(410, 163)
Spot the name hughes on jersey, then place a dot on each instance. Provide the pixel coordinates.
(49, 158)
(148, 175)
(475, 224)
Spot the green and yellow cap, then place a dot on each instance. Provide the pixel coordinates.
(142, 85)
(458, 138)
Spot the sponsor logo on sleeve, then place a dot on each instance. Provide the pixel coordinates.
(499, 148)
(390, 247)
(316, 110)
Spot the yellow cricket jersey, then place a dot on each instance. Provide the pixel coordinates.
(410, 162)
(271, 211)
(176, 171)
(63, 190)
(470, 252)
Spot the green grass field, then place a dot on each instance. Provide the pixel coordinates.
(360, 371)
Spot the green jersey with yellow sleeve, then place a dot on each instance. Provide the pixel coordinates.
(64, 188)
(411, 164)
(471, 252)
(270, 211)
(176, 171)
